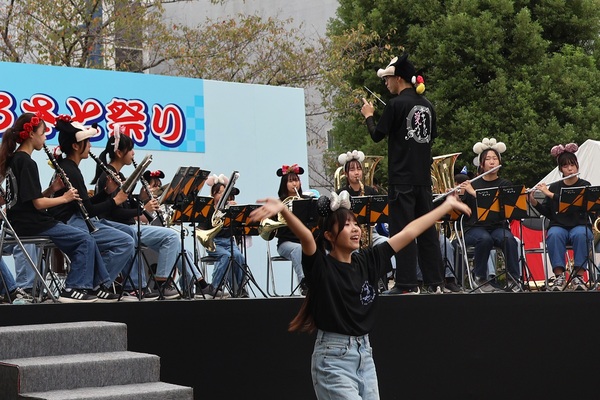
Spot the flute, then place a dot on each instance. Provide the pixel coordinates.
(146, 186)
(63, 176)
(548, 184)
(116, 179)
(443, 196)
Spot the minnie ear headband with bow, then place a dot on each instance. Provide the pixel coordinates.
(487, 143)
(326, 205)
(559, 149)
(351, 155)
(153, 174)
(286, 169)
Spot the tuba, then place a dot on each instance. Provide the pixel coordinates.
(368, 165)
(442, 173)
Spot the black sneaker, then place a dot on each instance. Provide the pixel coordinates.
(104, 295)
(169, 291)
(210, 292)
(76, 296)
(434, 289)
(397, 290)
(149, 294)
(17, 296)
(452, 287)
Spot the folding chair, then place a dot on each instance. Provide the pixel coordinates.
(271, 275)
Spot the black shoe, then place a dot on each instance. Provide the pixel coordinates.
(451, 287)
(434, 289)
(76, 296)
(397, 290)
(17, 296)
(104, 295)
(169, 291)
(303, 287)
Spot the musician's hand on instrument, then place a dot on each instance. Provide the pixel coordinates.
(271, 206)
(152, 205)
(57, 184)
(121, 197)
(531, 198)
(71, 195)
(367, 109)
(458, 205)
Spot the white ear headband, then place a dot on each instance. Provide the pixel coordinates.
(351, 155)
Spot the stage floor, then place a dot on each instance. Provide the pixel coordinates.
(467, 346)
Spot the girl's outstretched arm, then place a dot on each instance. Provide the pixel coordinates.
(272, 206)
(419, 225)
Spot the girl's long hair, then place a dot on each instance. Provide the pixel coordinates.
(333, 223)
(10, 140)
(283, 191)
(125, 145)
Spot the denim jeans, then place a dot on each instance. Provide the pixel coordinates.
(83, 253)
(7, 280)
(293, 252)
(484, 240)
(343, 368)
(223, 253)
(25, 275)
(580, 237)
(116, 246)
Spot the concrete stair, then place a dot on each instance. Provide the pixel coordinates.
(80, 360)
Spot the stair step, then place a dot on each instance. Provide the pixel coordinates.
(146, 391)
(59, 339)
(41, 374)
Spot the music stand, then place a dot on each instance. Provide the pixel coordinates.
(182, 193)
(306, 211)
(237, 219)
(370, 210)
(514, 205)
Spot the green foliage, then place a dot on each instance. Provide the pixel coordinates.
(524, 72)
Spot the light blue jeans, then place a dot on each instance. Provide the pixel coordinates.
(343, 367)
(223, 252)
(25, 275)
(293, 252)
(166, 243)
(7, 280)
(557, 240)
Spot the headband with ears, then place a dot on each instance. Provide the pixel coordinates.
(480, 147)
(213, 179)
(559, 149)
(286, 169)
(153, 174)
(351, 155)
(326, 205)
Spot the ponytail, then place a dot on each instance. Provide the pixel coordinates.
(303, 321)
(11, 137)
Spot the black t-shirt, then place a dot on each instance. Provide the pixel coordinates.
(125, 212)
(409, 122)
(23, 186)
(343, 296)
(472, 202)
(94, 206)
(569, 219)
(369, 191)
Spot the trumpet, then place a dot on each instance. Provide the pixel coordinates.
(548, 184)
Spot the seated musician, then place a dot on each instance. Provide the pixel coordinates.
(288, 245)
(484, 235)
(570, 227)
(164, 241)
(225, 244)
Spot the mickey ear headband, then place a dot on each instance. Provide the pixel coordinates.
(351, 155)
(484, 145)
(559, 149)
(214, 179)
(154, 174)
(286, 169)
(326, 205)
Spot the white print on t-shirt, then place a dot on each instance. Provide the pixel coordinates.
(11, 189)
(367, 293)
(418, 123)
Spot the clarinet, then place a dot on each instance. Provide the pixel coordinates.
(115, 178)
(63, 176)
(146, 185)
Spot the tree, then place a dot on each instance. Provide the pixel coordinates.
(524, 72)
